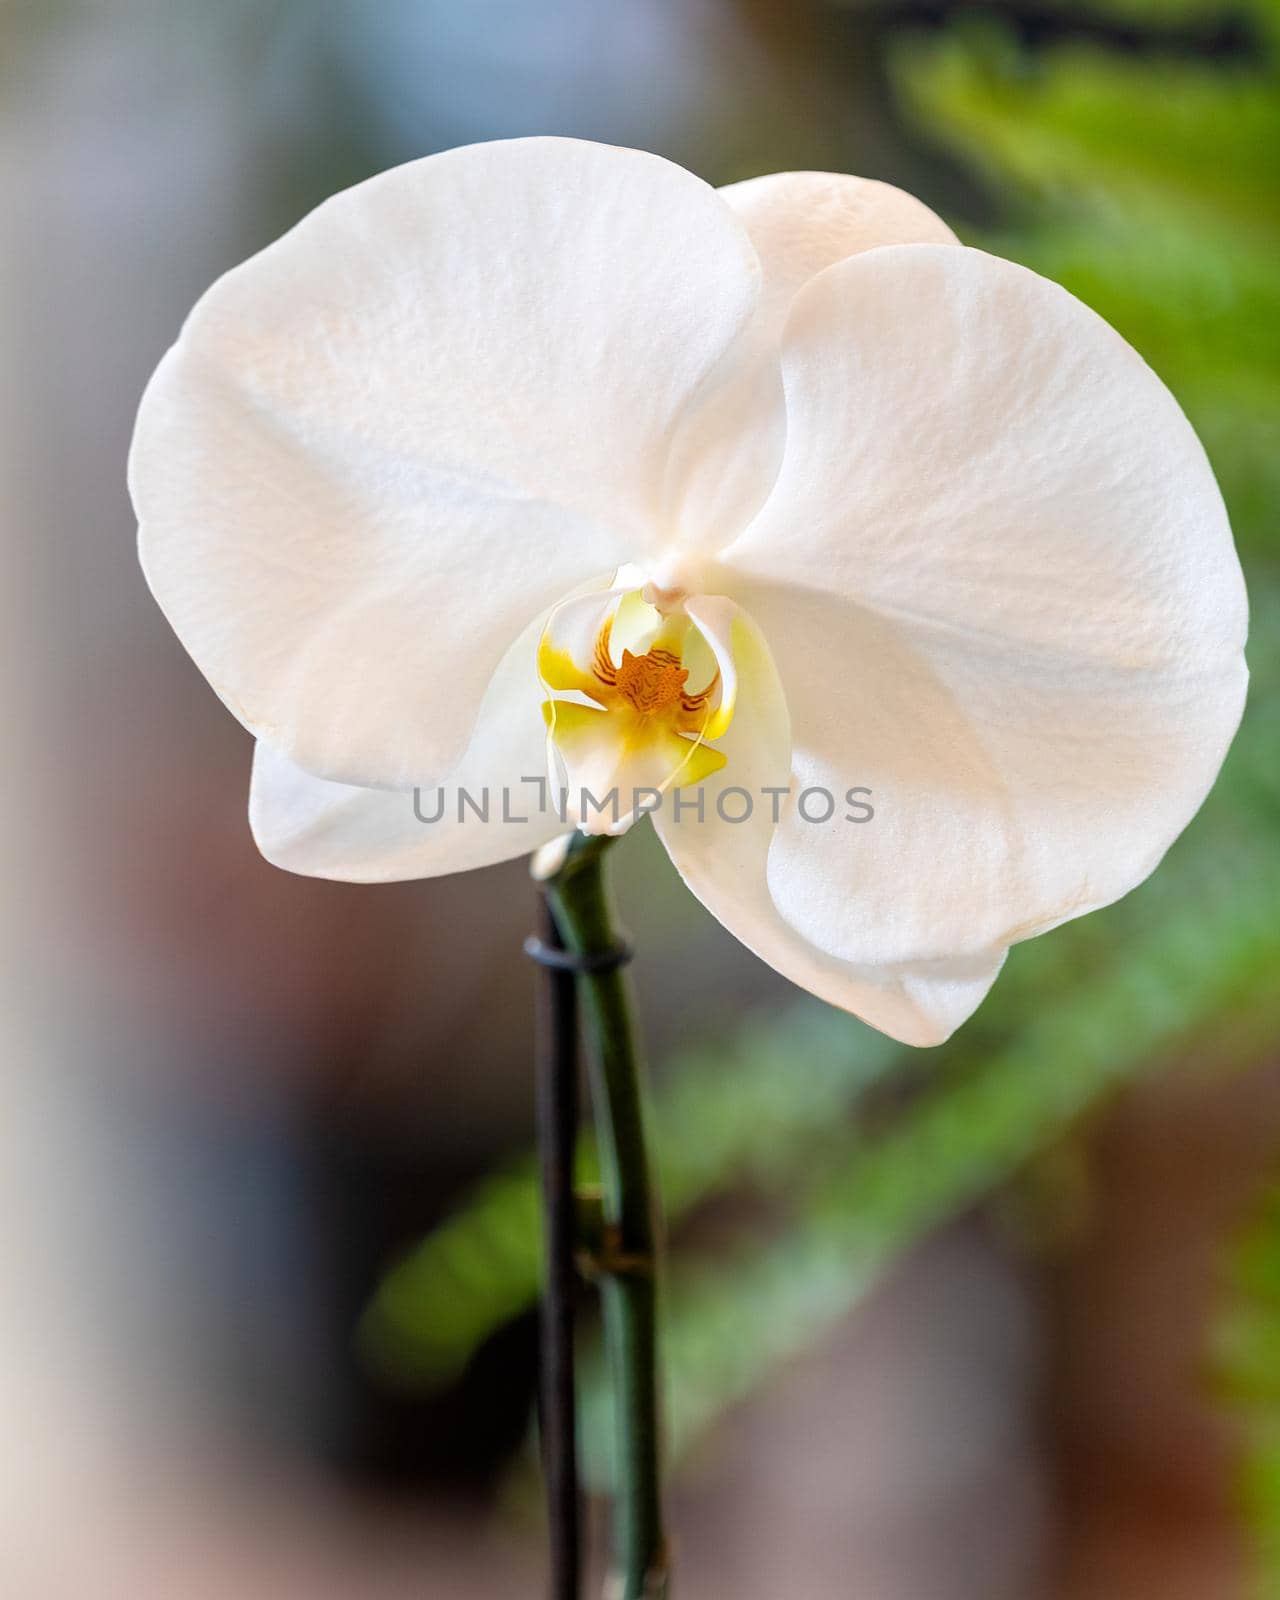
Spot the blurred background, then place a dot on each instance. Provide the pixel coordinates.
(995, 1322)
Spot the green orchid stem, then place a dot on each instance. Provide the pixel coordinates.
(628, 1267)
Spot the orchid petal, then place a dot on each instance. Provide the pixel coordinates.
(799, 223)
(446, 398)
(325, 829)
(998, 582)
(803, 222)
(720, 846)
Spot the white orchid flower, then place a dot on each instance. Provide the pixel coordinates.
(770, 489)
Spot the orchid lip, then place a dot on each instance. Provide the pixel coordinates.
(635, 693)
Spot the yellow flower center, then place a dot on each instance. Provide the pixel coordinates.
(651, 682)
(637, 725)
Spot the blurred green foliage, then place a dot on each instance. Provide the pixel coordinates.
(1154, 194)
(1148, 187)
